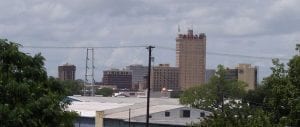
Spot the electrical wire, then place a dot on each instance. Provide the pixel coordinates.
(158, 47)
(81, 47)
(231, 55)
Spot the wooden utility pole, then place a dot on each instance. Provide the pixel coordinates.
(148, 85)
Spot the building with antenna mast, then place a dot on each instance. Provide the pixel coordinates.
(191, 59)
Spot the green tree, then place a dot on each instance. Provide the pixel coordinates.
(278, 94)
(256, 97)
(232, 113)
(73, 87)
(209, 96)
(294, 77)
(28, 98)
(106, 92)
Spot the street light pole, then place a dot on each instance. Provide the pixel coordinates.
(298, 48)
(148, 84)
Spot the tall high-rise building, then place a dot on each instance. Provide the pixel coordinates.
(138, 74)
(66, 72)
(191, 58)
(120, 78)
(164, 77)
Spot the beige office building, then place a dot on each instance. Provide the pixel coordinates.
(191, 58)
(66, 72)
(164, 77)
(247, 74)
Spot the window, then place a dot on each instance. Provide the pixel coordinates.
(167, 114)
(186, 113)
(202, 114)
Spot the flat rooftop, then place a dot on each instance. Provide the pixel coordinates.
(114, 106)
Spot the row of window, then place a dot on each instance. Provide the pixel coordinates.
(184, 114)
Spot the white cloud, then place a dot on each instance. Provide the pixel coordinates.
(242, 26)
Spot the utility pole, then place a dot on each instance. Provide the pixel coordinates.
(298, 48)
(148, 85)
(129, 113)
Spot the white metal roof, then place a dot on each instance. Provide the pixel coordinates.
(115, 107)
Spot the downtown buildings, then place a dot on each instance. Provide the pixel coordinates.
(66, 72)
(190, 69)
(242, 72)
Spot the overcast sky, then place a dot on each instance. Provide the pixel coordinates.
(263, 28)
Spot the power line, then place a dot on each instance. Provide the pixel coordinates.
(228, 54)
(81, 47)
(159, 47)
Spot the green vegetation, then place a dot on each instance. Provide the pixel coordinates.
(73, 87)
(28, 98)
(276, 102)
(106, 92)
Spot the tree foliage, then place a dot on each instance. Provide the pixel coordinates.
(73, 87)
(28, 98)
(209, 96)
(276, 102)
(278, 94)
(106, 92)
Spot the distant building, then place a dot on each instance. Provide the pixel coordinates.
(66, 72)
(248, 74)
(191, 58)
(164, 77)
(245, 73)
(231, 74)
(138, 73)
(209, 73)
(120, 78)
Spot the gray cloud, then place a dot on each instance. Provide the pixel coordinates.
(258, 28)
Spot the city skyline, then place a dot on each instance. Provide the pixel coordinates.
(253, 28)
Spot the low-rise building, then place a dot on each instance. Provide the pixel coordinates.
(120, 112)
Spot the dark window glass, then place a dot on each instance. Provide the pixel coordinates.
(186, 113)
(167, 114)
(202, 114)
